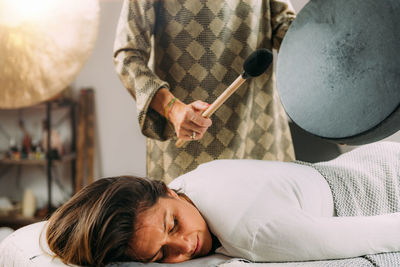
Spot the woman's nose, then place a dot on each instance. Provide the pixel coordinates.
(182, 245)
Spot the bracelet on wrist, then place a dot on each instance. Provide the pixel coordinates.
(168, 108)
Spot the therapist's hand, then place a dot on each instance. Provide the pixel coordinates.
(188, 119)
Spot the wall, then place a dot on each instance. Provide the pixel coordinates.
(120, 145)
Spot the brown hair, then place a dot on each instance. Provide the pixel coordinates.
(96, 225)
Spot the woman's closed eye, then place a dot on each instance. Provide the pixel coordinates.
(174, 226)
(171, 231)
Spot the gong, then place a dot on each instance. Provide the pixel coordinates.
(43, 46)
(338, 70)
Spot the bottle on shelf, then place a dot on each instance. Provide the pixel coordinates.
(13, 151)
(26, 141)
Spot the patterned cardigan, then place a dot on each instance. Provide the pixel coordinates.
(199, 48)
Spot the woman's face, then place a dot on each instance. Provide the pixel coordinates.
(171, 231)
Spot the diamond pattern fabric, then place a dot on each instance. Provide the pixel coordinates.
(199, 50)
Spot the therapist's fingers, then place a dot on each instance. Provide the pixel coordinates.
(199, 107)
(194, 132)
(188, 119)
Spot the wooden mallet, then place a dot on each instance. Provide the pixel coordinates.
(254, 65)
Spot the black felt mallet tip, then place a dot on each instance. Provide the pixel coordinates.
(257, 63)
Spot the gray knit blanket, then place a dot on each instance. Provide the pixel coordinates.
(366, 182)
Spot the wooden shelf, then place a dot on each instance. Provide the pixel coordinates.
(54, 104)
(17, 221)
(64, 159)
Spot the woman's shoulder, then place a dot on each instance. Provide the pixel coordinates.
(220, 173)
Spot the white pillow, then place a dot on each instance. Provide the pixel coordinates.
(21, 249)
(4, 232)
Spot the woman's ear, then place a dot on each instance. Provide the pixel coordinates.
(172, 193)
(181, 196)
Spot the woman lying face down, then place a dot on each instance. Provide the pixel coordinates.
(126, 219)
(170, 231)
(262, 211)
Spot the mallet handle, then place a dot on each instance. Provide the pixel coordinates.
(218, 102)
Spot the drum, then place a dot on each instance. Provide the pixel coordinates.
(338, 70)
